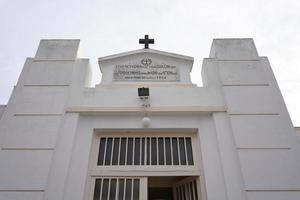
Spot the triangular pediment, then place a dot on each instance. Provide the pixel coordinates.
(146, 65)
(148, 51)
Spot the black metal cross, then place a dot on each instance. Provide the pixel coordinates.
(146, 41)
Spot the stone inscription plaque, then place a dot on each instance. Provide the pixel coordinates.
(145, 72)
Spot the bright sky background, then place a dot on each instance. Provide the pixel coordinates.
(186, 27)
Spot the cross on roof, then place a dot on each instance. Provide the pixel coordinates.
(146, 41)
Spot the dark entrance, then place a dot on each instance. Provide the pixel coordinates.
(161, 193)
(173, 187)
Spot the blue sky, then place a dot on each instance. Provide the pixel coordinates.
(186, 27)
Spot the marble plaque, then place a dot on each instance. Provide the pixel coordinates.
(145, 71)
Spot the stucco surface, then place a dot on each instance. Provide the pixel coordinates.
(260, 131)
(31, 132)
(45, 73)
(57, 50)
(24, 170)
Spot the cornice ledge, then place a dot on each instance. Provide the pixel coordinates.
(165, 109)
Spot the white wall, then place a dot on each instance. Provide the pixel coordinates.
(264, 138)
(2, 109)
(249, 147)
(298, 132)
(30, 125)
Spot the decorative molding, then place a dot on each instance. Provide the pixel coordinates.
(21, 190)
(154, 110)
(263, 148)
(45, 86)
(145, 84)
(272, 190)
(37, 114)
(54, 60)
(153, 51)
(28, 148)
(254, 113)
(248, 84)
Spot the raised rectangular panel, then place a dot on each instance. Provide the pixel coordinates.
(41, 100)
(260, 131)
(251, 99)
(274, 195)
(49, 73)
(21, 195)
(24, 169)
(242, 72)
(270, 169)
(31, 132)
(57, 50)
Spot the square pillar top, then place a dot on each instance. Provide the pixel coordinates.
(57, 49)
(234, 49)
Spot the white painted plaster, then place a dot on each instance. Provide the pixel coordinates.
(31, 132)
(41, 100)
(298, 132)
(242, 73)
(2, 109)
(24, 169)
(20, 195)
(274, 195)
(57, 50)
(45, 73)
(247, 148)
(260, 131)
(250, 100)
(233, 49)
(272, 169)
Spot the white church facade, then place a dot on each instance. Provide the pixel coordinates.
(146, 132)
